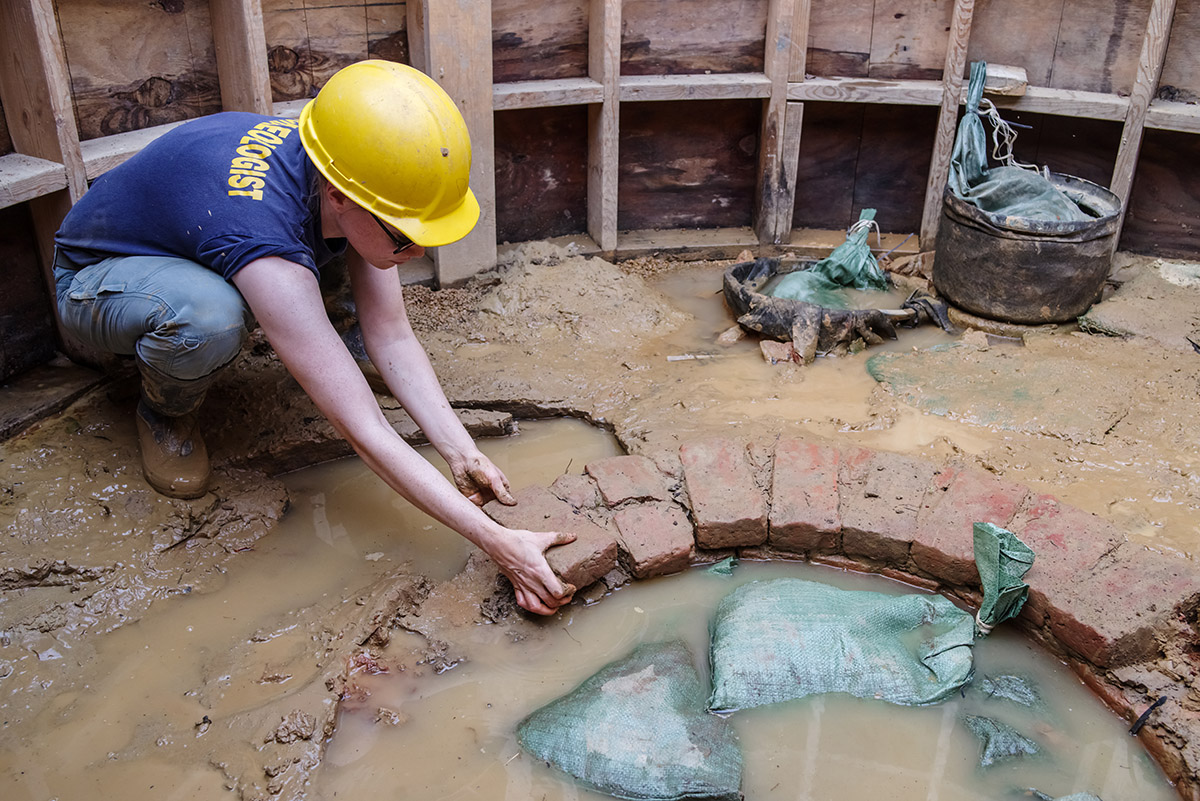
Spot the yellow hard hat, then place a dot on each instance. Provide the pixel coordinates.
(394, 142)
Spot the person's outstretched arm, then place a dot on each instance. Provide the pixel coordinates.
(402, 361)
(287, 301)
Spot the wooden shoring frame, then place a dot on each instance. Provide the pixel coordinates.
(50, 167)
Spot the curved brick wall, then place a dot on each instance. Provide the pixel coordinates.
(1117, 612)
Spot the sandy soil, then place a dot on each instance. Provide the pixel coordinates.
(1105, 421)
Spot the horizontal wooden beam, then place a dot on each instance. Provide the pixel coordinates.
(101, 155)
(694, 87)
(543, 94)
(26, 177)
(1168, 116)
(867, 90)
(1067, 103)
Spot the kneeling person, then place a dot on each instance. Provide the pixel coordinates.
(227, 219)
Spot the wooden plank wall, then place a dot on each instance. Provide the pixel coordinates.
(124, 81)
(537, 40)
(541, 164)
(692, 36)
(26, 322)
(310, 40)
(1181, 73)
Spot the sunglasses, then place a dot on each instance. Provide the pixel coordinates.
(401, 242)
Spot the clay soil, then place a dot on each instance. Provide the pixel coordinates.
(88, 548)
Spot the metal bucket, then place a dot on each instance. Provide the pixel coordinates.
(1019, 270)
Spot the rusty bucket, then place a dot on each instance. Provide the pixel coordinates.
(1025, 271)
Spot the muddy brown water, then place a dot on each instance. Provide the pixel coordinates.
(129, 722)
(421, 734)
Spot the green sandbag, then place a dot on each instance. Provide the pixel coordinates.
(1000, 741)
(1015, 689)
(850, 265)
(1009, 189)
(789, 638)
(1002, 561)
(638, 729)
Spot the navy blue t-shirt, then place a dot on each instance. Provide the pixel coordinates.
(221, 190)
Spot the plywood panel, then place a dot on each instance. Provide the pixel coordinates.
(829, 144)
(908, 38)
(893, 165)
(688, 164)
(541, 163)
(1099, 43)
(684, 36)
(1164, 203)
(536, 40)
(839, 38)
(387, 31)
(310, 40)
(26, 322)
(135, 65)
(1181, 73)
(1019, 33)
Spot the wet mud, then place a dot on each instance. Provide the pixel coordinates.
(1104, 420)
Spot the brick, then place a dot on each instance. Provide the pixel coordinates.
(804, 498)
(1111, 615)
(582, 562)
(656, 538)
(578, 491)
(727, 505)
(628, 478)
(879, 495)
(959, 498)
(1067, 542)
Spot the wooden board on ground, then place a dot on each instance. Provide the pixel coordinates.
(541, 163)
(688, 164)
(692, 36)
(135, 65)
(535, 40)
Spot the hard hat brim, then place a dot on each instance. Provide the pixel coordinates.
(441, 230)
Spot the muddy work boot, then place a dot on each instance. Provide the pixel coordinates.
(174, 458)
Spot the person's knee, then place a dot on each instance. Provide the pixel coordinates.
(201, 337)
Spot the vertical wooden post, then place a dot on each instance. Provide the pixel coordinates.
(775, 200)
(36, 92)
(241, 45)
(1154, 52)
(799, 40)
(604, 67)
(454, 42)
(943, 145)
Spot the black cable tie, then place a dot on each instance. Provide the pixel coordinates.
(1141, 721)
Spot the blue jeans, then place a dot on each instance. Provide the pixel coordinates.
(181, 320)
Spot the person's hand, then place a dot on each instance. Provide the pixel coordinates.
(480, 480)
(521, 556)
